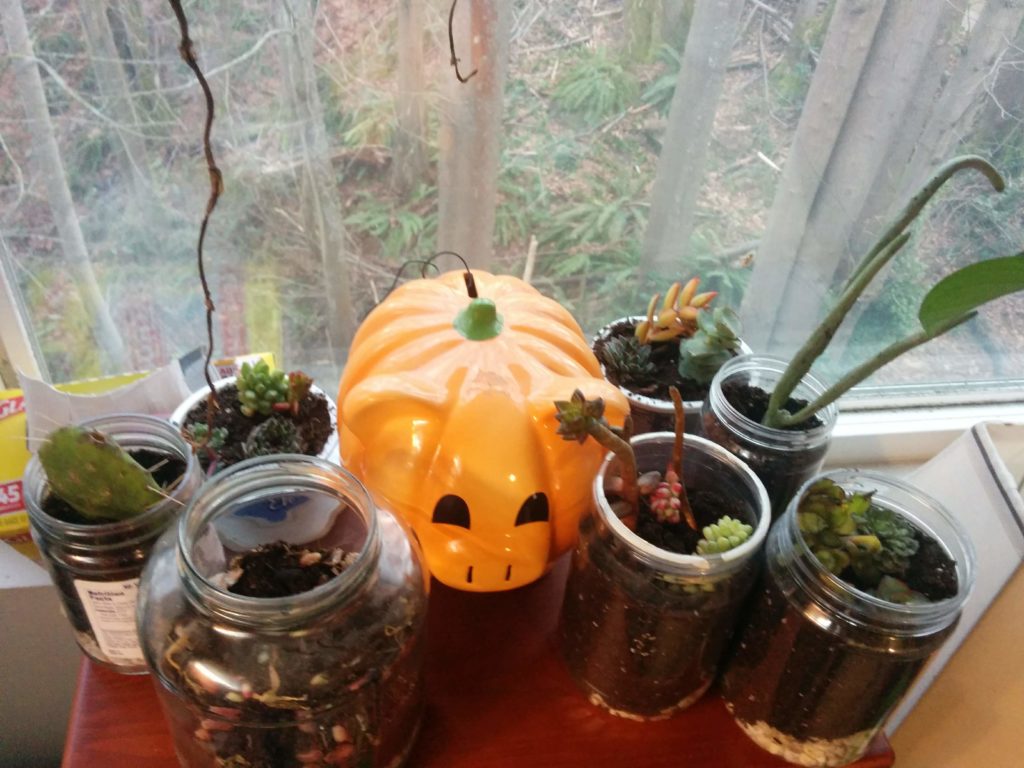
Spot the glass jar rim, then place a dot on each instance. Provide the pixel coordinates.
(34, 472)
(695, 565)
(770, 437)
(255, 476)
(916, 614)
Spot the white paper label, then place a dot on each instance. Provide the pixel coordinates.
(110, 606)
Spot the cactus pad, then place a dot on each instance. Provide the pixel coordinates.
(96, 476)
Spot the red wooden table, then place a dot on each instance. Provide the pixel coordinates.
(498, 696)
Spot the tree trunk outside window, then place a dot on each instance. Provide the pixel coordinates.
(46, 156)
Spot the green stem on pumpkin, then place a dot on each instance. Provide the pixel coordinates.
(479, 320)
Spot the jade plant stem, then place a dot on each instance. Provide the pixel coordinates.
(819, 340)
(934, 324)
(622, 450)
(579, 418)
(927, 192)
(677, 459)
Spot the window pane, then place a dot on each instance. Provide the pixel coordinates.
(604, 148)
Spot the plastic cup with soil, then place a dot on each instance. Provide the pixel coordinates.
(240, 431)
(651, 602)
(680, 343)
(125, 478)
(283, 620)
(865, 579)
(783, 458)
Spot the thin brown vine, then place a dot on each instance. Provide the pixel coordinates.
(451, 45)
(216, 188)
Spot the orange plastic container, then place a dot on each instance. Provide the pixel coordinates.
(446, 413)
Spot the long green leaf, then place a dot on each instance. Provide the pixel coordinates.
(970, 287)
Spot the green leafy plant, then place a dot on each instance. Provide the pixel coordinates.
(724, 535)
(950, 302)
(398, 228)
(579, 418)
(265, 390)
(596, 87)
(275, 435)
(714, 343)
(898, 544)
(848, 531)
(659, 93)
(97, 477)
(607, 213)
(627, 361)
(199, 435)
(260, 388)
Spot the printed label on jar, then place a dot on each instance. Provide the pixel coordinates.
(110, 606)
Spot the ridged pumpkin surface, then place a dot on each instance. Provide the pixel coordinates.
(459, 436)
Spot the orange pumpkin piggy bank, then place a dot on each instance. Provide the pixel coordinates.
(446, 413)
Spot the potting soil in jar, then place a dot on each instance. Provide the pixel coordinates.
(820, 664)
(644, 624)
(782, 458)
(291, 635)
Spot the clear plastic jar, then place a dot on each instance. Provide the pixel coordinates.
(820, 664)
(330, 676)
(642, 628)
(96, 566)
(782, 458)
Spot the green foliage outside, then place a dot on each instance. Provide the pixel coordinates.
(582, 131)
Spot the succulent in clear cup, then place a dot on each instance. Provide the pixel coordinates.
(662, 565)
(765, 425)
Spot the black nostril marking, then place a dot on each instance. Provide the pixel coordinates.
(469, 575)
(508, 573)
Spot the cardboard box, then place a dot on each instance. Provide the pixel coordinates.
(969, 715)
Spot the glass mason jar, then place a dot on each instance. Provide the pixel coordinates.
(330, 676)
(820, 664)
(782, 458)
(642, 629)
(96, 566)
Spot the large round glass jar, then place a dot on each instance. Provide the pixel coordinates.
(271, 677)
(820, 664)
(96, 565)
(643, 628)
(782, 458)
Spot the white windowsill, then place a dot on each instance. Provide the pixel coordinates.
(908, 437)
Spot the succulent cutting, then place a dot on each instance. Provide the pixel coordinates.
(950, 303)
(869, 545)
(664, 495)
